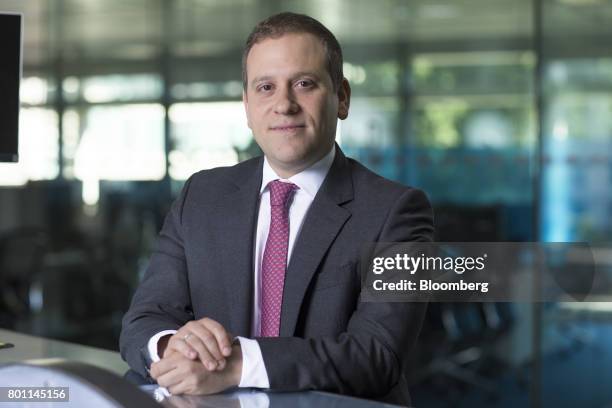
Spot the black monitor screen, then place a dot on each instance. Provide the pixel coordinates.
(10, 74)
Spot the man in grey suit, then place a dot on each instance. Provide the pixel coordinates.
(255, 279)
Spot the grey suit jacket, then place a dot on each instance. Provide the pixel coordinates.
(329, 339)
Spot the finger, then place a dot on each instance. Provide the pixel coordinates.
(184, 386)
(221, 365)
(171, 378)
(208, 339)
(188, 375)
(209, 361)
(224, 339)
(179, 388)
(162, 366)
(179, 344)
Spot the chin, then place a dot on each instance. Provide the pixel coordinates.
(291, 153)
(291, 161)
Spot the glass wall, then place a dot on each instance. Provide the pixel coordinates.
(576, 204)
(206, 135)
(501, 111)
(473, 114)
(38, 135)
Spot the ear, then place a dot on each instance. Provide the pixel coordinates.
(344, 99)
(245, 102)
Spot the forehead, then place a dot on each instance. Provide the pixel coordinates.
(293, 51)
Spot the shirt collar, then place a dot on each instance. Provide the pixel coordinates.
(309, 179)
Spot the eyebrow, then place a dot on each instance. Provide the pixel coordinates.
(260, 79)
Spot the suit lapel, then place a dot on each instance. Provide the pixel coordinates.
(322, 224)
(237, 218)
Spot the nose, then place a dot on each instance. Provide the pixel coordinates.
(285, 103)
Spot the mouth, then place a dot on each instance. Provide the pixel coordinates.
(287, 128)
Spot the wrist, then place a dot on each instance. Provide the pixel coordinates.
(235, 365)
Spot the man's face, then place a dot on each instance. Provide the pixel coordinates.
(290, 103)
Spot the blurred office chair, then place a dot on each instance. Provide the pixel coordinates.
(21, 257)
(456, 346)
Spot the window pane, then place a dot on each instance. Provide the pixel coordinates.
(36, 90)
(474, 72)
(370, 134)
(207, 89)
(207, 135)
(115, 143)
(207, 78)
(473, 117)
(373, 78)
(577, 144)
(113, 88)
(38, 148)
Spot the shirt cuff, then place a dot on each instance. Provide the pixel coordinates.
(254, 372)
(152, 344)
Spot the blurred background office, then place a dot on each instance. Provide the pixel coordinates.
(501, 110)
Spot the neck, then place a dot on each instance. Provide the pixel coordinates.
(285, 173)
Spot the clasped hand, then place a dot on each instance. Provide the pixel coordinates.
(198, 359)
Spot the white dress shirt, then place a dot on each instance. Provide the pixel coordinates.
(309, 181)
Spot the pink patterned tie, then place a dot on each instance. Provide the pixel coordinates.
(274, 261)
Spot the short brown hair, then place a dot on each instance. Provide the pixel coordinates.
(289, 23)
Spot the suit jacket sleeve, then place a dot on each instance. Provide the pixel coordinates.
(162, 300)
(367, 358)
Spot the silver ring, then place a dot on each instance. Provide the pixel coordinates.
(187, 336)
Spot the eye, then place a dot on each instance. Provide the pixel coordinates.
(264, 88)
(305, 83)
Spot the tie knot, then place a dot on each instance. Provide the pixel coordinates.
(280, 192)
